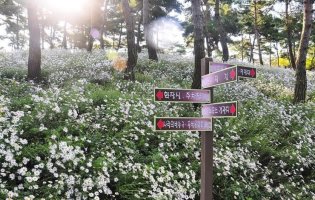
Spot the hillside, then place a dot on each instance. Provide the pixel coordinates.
(86, 133)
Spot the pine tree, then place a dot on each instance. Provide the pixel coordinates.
(301, 79)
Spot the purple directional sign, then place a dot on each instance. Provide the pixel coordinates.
(182, 124)
(217, 110)
(214, 66)
(219, 77)
(242, 71)
(182, 95)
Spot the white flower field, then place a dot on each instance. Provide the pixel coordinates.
(85, 133)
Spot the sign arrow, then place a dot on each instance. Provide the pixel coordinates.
(252, 73)
(233, 74)
(160, 124)
(233, 109)
(159, 95)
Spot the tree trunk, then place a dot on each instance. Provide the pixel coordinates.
(294, 49)
(147, 34)
(120, 33)
(132, 50)
(17, 32)
(90, 43)
(289, 34)
(102, 43)
(43, 36)
(113, 43)
(34, 58)
(96, 22)
(52, 37)
(257, 33)
(199, 48)
(83, 38)
(242, 46)
(301, 79)
(209, 49)
(223, 35)
(277, 53)
(64, 39)
(270, 51)
(90, 37)
(103, 26)
(251, 57)
(139, 32)
(206, 29)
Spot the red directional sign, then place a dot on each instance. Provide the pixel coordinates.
(228, 109)
(219, 77)
(182, 124)
(247, 72)
(182, 95)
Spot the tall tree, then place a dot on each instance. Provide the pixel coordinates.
(207, 30)
(147, 34)
(64, 38)
(288, 23)
(199, 49)
(139, 33)
(223, 35)
(132, 49)
(96, 22)
(301, 79)
(252, 46)
(34, 58)
(102, 42)
(257, 34)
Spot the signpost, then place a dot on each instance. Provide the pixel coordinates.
(217, 110)
(182, 124)
(212, 74)
(206, 140)
(219, 77)
(182, 95)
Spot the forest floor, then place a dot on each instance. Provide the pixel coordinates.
(84, 132)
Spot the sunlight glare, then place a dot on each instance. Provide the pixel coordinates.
(66, 5)
(95, 33)
(165, 33)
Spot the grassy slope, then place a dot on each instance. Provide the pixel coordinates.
(86, 124)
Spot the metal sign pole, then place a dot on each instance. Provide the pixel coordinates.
(206, 149)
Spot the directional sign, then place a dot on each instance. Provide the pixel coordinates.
(247, 72)
(182, 95)
(219, 77)
(228, 109)
(182, 124)
(218, 66)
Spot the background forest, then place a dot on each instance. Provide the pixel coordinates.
(264, 32)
